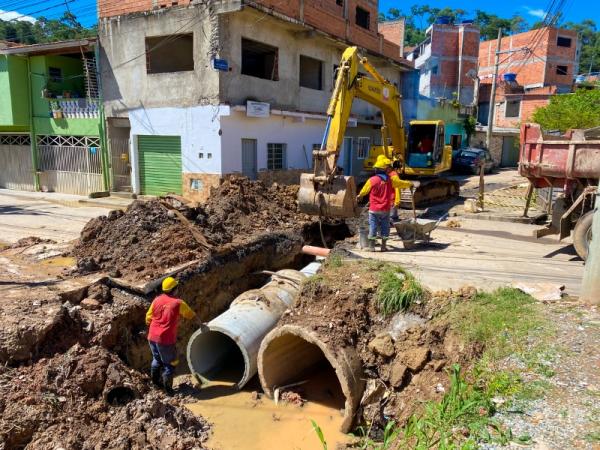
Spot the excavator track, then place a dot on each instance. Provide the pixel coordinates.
(430, 192)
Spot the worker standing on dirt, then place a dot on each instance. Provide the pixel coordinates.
(381, 188)
(162, 319)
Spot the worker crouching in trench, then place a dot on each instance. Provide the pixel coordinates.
(162, 319)
(383, 189)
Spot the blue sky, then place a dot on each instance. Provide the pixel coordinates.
(531, 10)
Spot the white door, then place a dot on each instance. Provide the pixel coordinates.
(249, 158)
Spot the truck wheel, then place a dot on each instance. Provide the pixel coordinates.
(582, 234)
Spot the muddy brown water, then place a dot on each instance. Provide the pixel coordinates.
(243, 421)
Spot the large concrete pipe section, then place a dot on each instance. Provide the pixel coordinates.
(292, 354)
(227, 347)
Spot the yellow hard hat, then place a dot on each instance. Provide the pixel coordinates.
(382, 162)
(169, 284)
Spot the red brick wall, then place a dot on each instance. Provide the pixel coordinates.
(393, 32)
(539, 67)
(530, 101)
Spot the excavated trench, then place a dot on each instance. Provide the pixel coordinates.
(211, 286)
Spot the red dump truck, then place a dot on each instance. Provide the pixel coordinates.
(570, 164)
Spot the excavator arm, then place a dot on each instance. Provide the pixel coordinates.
(324, 192)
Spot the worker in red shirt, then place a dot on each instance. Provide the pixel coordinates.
(426, 145)
(381, 188)
(162, 319)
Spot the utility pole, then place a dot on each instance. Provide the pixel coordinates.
(488, 136)
(590, 289)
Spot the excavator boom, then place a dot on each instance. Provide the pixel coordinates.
(324, 192)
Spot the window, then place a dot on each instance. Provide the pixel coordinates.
(276, 157)
(166, 54)
(259, 60)
(311, 73)
(363, 17)
(513, 108)
(562, 70)
(434, 70)
(339, 2)
(563, 41)
(55, 74)
(364, 144)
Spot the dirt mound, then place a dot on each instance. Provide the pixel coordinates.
(151, 237)
(88, 399)
(139, 243)
(240, 207)
(403, 356)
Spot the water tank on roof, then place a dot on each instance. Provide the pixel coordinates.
(467, 21)
(510, 77)
(443, 20)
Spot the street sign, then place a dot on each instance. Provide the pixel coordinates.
(220, 64)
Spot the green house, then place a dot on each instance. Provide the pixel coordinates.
(50, 118)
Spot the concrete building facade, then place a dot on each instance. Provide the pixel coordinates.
(241, 87)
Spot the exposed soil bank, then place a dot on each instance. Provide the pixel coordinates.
(86, 398)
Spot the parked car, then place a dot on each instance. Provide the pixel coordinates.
(469, 159)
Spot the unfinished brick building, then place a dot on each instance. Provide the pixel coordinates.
(447, 61)
(533, 66)
(205, 88)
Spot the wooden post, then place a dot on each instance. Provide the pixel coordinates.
(590, 290)
(528, 201)
(481, 185)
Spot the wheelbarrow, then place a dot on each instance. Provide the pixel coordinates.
(415, 231)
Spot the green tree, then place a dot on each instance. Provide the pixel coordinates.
(590, 45)
(45, 30)
(578, 110)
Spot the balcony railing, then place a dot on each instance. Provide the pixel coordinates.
(75, 108)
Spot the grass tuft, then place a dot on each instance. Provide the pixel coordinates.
(398, 289)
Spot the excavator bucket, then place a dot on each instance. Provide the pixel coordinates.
(336, 199)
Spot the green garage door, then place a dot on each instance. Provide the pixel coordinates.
(160, 164)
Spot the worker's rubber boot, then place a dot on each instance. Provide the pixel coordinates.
(371, 246)
(384, 245)
(167, 381)
(155, 375)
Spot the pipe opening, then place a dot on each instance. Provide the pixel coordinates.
(290, 359)
(215, 357)
(120, 396)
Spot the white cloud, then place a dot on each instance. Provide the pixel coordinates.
(10, 15)
(539, 13)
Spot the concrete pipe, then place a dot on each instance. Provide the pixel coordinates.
(226, 348)
(292, 354)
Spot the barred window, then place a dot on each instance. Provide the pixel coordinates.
(15, 139)
(364, 144)
(276, 156)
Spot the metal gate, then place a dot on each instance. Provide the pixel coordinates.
(70, 164)
(16, 168)
(120, 173)
(160, 164)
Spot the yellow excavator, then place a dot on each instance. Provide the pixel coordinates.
(326, 192)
